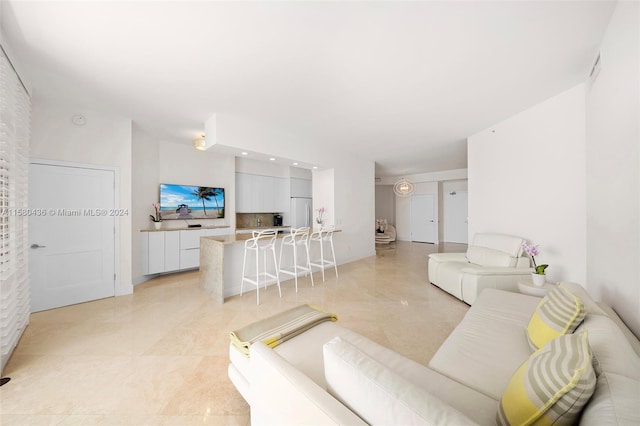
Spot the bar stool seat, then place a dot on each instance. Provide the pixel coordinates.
(261, 242)
(323, 236)
(297, 239)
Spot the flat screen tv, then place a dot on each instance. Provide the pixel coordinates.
(191, 202)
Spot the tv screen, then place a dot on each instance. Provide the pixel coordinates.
(191, 202)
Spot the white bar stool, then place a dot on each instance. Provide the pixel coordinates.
(323, 236)
(261, 242)
(296, 239)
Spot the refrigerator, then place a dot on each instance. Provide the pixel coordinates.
(301, 213)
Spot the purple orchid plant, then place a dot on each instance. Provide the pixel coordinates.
(532, 251)
(158, 216)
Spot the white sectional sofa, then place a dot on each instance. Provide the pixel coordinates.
(331, 375)
(491, 261)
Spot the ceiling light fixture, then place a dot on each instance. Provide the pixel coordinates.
(245, 153)
(404, 187)
(295, 164)
(272, 159)
(200, 143)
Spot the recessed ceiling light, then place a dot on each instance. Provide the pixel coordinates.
(245, 153)
(272, 159)
(315, 167)
(295, 164)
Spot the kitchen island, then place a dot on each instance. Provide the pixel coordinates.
(221, 263)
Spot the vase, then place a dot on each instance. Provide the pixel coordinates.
(538, 279)
(157, 225)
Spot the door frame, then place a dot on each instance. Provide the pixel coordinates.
(434, 213)
(446, 210)
(116, 205)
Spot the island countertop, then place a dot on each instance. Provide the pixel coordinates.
(234, 238)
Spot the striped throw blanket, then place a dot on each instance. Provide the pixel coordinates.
(280, 327)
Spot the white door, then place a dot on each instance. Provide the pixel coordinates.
(423, 226)
(455, 217)
(71, 235)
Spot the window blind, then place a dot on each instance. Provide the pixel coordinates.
(15, 115)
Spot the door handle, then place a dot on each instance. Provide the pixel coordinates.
(35, 246)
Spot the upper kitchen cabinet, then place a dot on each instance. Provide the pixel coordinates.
(261, 194)
(300, 188)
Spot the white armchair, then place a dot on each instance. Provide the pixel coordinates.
(491, 261)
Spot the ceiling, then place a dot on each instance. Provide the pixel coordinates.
(401, 83)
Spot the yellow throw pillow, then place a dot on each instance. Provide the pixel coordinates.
(557, 314)
(552, 386)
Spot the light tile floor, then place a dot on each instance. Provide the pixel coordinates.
(159, 356)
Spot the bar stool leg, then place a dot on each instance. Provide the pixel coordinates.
(257, 277)
(295, 265)
(333, 254)
(275, 267)
(322, 257)
(309, 264)
(244, 263)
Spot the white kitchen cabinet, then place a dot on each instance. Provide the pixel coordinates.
(171, 250)
(161, 251)
(243, 193)
(261, 194)
(167, 251)
(282, 195)
(301, 188)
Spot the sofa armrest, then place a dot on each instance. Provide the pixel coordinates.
(495, 270)
(282, 395)
(449, 257)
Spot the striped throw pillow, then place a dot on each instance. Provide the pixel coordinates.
(552, 386)
(558, 313)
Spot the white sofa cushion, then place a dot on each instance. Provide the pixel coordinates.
(489, 344)
(283, 395)
(509, 244)
(484, 256)
(614, 402)
(377, 394)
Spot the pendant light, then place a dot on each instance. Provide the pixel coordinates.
(404, 187)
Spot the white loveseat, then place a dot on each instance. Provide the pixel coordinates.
(491, 261)
(296, 382)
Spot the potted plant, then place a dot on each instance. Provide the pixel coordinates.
(157, 218)
(320, 219)
(538, 276)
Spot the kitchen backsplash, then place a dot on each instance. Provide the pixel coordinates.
(253, 220)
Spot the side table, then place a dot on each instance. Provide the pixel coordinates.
(525, 286)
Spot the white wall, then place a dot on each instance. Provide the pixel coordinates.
(264, 168)
(386, 203)
(105, 140)
(166, 162)
(323, 196)
(144, 184)
(613, 172)
(300, 173)
(526, 178)
(184, 165)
